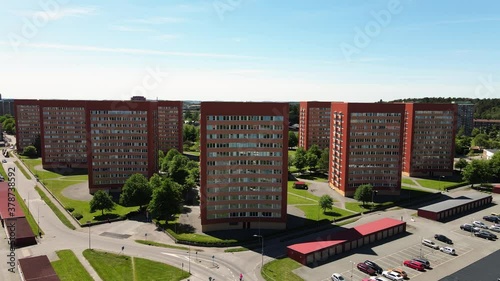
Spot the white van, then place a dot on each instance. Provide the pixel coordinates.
(448, 250)
(429, 243)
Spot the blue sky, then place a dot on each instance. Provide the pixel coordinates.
(249, 49)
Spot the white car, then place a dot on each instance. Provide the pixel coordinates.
(448, 250)
(392, 275)
(429, 243)
(495, 228)
(337, 277)
(479, 224)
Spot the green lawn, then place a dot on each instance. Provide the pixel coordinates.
(356, 207)
(408, 181)
(436, 184)
(69, 268)
(156, 244)
(111, 267)
(281, 269)
(294, 199)
(56, 183)
(54, 209)
(313, 212)
(20, 167)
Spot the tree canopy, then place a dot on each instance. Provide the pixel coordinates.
(477, 171)
(326, 202)
(363, 193)
(293, 140)
(136, 191)
(166, 199)
(300, 160)
(101, 201)
(30, 151)
(461, 163)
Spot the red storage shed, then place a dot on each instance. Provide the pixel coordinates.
(339, 242)
(37, 269)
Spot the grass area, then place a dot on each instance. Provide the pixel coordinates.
(195, 153)
(113, 267)
(407, 181)
(54, 209)
(56, 183)
(235, 250)
(281, 269)
(156, 244)
(436, 184)
(356, 207)
(29, 217)
(313, 212)
(20, 167)
(69, 268)
(301, 192)
(320, 177)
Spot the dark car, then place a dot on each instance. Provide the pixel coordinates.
(374, 266)
(365, 268)
(442, 238)
(486, 234)
(469, 227)
(492, 219)
(423, 261)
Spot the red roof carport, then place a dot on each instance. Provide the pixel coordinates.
(37, 269)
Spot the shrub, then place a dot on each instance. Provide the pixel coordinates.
(77, 215)
(70, 209)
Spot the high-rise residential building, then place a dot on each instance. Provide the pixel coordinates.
(366, 147)
(111, 139)
(27, 116)
(429, 139)
(243, 165)
(314, 122)
(6, 106)
(465, 117)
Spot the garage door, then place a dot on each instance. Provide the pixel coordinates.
(332, 251)
(310, 258)
(339, 249)
(324, 255)
(360, 242)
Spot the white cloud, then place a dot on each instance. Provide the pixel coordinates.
(157, 20)
(98, 49)
(129, 28)
(66, 12)
(165, 37)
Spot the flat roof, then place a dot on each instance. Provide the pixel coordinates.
(5, 213)
(454, 202)
(38, 268)
(349, 234)
(23, 229)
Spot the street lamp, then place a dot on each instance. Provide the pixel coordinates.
(352, 267)
(88, 222)
(189, 264)
(262, 251)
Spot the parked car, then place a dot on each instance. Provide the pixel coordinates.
(495, 214)
(365, 268)
(486, 234)
(414, 264)
(429, 243)
(495, 228)
(4, 161)
(337, 277)
(377, 278)
(423, 261)
(448, 250)
(494, 219)
(374, 266)
(400, 271)
(442, 238)
(469, 227)
(479, 224)
(394, 276)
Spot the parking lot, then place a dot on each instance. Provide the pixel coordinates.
(391, 253)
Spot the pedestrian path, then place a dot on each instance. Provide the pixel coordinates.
(86, 265)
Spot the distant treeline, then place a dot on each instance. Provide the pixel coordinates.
(483, 108)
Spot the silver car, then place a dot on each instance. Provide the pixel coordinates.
(495, 228)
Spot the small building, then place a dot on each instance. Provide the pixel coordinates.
(454, 207)
(37, 269)
(310, 253)
(496, 188)
(24, 236)
(488, 153)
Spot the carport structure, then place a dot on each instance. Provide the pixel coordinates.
(340, 242)
(37, 269)
(454, 207)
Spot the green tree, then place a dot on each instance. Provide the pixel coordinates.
(311, 161)
(300, 160)
(101, 201)
(324, 160)
(477, 171)
(326, 202)
(168, 157)
(136, 191)
(314, 149)
(30, 151)
(155, 182)
(461, 163)
(291, 160)
(190, 133)
(494, 163)
(475, 132)
(293, 140)
(363, 193)
(293, 113)
(177, 169)
(166, 200)
(481, 140)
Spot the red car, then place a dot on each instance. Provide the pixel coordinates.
(414, 264)
(365, 268)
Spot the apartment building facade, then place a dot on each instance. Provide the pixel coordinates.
(366, 147)
(465, 117)
(314, 124)
(111, 139)
(429, 139)
(243, 165)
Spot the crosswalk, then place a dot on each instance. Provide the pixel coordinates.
(435, 257)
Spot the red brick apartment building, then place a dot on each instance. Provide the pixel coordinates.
(429, 139)
(314, 122)
(243, 165)
(112, 139)
(366, 147)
